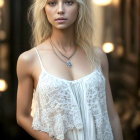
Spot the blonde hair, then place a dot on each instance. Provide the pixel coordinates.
(41, 28)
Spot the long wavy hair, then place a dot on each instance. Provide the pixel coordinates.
(41, 28)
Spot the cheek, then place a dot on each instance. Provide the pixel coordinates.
(48, 13)
(74, 13)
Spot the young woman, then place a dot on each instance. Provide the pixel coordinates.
(63, 87)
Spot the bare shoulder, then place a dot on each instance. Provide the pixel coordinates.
(102, 55)
(27, 56)
(26, 61)
(103, 60)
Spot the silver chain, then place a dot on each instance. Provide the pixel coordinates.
(62, 53)
(68, 63)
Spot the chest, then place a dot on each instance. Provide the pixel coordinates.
(53, 65)
(50, 85)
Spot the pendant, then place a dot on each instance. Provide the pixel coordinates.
(69, 64)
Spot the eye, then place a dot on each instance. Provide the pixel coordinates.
(51, 3)
(69, 2)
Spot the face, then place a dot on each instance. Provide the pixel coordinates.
(61, 14)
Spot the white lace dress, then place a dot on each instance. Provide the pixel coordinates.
(71, 110)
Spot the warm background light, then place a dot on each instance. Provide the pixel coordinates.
(116, 3)
(120, 50)
(3, 85)
(108, 47)
(2, 35)
(102, 2)
(1, 3)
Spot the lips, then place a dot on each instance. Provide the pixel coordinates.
(61, 18)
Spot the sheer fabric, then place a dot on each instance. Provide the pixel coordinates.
(71, 110)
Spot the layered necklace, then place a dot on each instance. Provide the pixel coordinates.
(67, 62)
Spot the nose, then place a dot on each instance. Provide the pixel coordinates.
(60, 8)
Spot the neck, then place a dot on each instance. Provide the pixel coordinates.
(63, 39)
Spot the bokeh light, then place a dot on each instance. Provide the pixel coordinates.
(108, 47)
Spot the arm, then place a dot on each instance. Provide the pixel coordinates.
(24, 97)
(113, 115)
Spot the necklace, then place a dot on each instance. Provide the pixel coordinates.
(68, 63)
(63, 54)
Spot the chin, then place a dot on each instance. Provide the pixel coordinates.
(62, 26)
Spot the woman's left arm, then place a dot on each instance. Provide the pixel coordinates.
(113, 115)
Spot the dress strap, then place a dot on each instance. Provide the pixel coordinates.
(41, 64)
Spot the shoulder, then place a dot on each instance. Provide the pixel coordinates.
(27, 57)
(101, 55)
(26, 61)
(103, 60)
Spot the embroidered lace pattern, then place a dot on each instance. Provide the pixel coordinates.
(96, 99)
(55, 110)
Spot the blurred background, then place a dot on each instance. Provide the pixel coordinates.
(117, 32)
